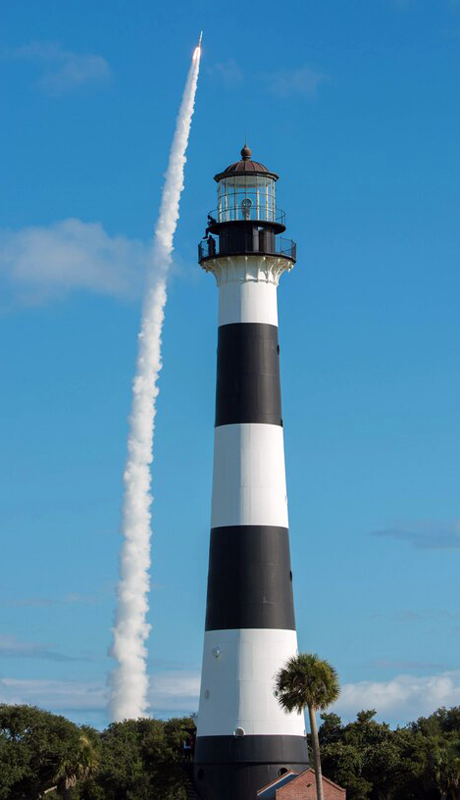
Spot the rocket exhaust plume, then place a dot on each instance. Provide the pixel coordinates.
(129, 680)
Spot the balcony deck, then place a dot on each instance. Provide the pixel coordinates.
(248, 245)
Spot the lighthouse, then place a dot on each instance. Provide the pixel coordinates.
(244, 738)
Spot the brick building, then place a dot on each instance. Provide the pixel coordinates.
(292, 786)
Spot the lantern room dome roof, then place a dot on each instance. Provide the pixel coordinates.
(246, 166)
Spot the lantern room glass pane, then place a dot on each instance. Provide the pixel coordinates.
(246, 197)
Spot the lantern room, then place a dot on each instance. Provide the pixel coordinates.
(246, 220)
(246, 191)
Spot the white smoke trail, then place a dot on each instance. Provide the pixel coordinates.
(129, 680)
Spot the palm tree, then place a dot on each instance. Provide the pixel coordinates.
(81, 765)
(308, 681)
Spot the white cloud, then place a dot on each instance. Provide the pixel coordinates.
(63, 69)
(437, 615)
(42, 263)
(54, 695)
(282, 83)
(10, 647)
(425, 534)
(404, 698)
(399, 700)
(71, 598)
(228, 72)
(174, 691)
(301, 80)
(388, 663)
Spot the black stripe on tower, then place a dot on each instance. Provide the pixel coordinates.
(248, 374)
(250, 579)
(229, 768)
(269, 748)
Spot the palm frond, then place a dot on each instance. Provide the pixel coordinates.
(306, 681)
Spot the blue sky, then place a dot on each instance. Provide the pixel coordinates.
(356, 105)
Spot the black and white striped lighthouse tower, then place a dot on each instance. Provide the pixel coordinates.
(244, 739)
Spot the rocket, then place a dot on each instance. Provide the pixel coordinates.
(199, 40)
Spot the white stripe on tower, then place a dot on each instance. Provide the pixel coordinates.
(249, 481)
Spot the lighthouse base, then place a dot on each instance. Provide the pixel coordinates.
(228, 768)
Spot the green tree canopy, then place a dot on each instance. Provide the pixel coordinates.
(420, 761)
(34, 746)
(139, 759)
